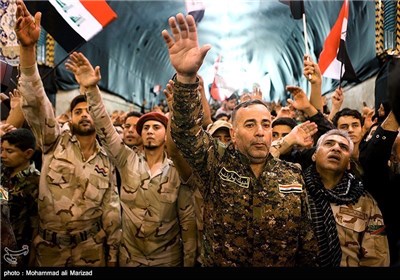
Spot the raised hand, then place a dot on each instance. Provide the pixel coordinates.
(257, 93)
(311, 70)
(169, 94)
(284, 112)
(27, 27)
(84, 72)
(300, 100)
(15, 99)
(185, 54)
(337, 98)
(5, 127)
(303, 133)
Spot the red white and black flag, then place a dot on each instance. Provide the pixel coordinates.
(73, 22)
(334, 61)
(215, 90)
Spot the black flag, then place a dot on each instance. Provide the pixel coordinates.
(296, 8)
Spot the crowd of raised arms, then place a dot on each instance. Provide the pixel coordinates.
(248, 184)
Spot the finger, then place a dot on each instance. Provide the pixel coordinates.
(18, 24)
(70, 65)
(16, 93)
(183, 26)
(38, 18)
(97, 72)
(19, 11)
(191, 27)
(293, 88)
(204, 50)
(166, 93)
(174, 28)
(83, 58)
(167, 38)
(24, 10)
(73, 58)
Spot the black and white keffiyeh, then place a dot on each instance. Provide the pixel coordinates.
(347, 191)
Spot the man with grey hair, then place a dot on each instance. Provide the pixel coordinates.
(347, 220)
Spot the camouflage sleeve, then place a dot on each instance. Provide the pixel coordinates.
(374, 243)
(186, 129)
(188, 227)
(37, 108)
(308, 244)
(108, 136)
(111, 218)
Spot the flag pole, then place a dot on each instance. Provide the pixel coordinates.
(340, 75)
(62, 60)
(305, 33)
(306, 40)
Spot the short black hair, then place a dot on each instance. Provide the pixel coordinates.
(347, 112)
(133, 114)
(247, 104)
(233, 96)
(77, 99)
(284, 121)
(22, 138)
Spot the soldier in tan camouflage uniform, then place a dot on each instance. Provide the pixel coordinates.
(255, 206)
(158, 221)
(79, 209)
(348, 222)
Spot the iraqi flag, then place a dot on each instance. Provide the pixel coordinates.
(73, 22)
(334, 61)
(214, 90)
(196, 8)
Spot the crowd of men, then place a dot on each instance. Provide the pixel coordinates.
(243, 187)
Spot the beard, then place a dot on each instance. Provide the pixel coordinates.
(150, 147)
(87, 131)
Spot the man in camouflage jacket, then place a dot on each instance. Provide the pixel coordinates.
(158, 221)
(79, 208)
(255, 207)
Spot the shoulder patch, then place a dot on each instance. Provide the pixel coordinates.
(376, 229)
(291, 188)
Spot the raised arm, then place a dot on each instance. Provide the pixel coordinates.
(184, 169)
(187, 111)
(16, 116)
(337, 101)
(312, 72)
(206, 107)
(300, 101)
(301, 135)
(27, 29)
(36, 107)
(88, 78)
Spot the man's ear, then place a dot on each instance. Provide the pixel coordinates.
(232, 133)
(349, 165)
(313, 157)
(29, 153)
